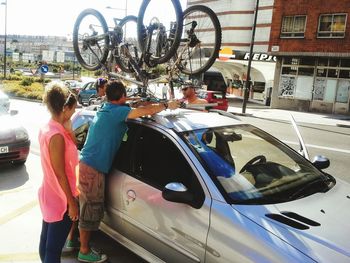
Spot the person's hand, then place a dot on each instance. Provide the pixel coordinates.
(73, 211)
(174, 104)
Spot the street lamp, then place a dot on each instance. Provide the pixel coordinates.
(247, 87)
(122, 9)
(5, 4)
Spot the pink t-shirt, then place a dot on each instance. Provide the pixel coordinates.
(52, 199)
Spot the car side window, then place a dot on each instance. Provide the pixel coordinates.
(159, 162)
(123, 160)
(80, 126)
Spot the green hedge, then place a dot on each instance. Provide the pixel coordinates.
(15, 88)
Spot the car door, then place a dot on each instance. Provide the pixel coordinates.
(121, 168)
(88, 91)
(174, 232)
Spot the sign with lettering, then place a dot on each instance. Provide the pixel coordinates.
(226, 54)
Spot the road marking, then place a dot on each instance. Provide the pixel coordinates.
(19, 211)
(16, 190)
(321, 147)
(25, 257)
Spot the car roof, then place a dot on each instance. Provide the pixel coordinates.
(187, 120)
(182, 120)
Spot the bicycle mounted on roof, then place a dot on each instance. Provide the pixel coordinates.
(186, 47)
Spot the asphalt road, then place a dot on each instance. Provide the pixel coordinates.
(330, 141)
(20, 218)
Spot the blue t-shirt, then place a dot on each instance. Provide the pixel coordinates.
(105, 136)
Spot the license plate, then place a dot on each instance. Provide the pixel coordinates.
(4, 149)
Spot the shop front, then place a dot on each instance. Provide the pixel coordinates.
(313, 84)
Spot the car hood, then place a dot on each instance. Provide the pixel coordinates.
(317, 225)
(8, 122)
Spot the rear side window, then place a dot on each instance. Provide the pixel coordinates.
(123, 160)
(80, 126)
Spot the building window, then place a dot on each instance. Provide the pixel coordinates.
(332, 26)
(293, 26)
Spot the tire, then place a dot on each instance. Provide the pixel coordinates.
(206, 56)
(80, 100)
(121, 59)
(93, 62)
(173, 41)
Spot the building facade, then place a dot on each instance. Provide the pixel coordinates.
(36, 48)
(237, 19)
(311, 40)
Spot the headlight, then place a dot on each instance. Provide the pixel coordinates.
(21, 134)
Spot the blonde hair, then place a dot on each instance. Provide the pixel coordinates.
(56, 96)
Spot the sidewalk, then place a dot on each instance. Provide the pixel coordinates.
(259, 110)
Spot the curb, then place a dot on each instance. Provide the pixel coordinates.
(26, 99)
(343, 125)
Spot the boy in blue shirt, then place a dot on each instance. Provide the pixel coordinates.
(104, 138)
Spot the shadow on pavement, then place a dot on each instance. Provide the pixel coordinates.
(12, 176)
(114, 251)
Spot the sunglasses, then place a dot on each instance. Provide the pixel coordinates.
(70, 96)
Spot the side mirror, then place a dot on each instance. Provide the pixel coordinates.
(13, 112)
(178, 193)
(321, 162)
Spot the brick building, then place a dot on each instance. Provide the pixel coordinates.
(311, 40)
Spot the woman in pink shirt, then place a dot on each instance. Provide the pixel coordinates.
(59, 159)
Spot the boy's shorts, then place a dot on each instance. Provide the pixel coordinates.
(91, 198)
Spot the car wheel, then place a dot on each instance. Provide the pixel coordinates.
(80, 100)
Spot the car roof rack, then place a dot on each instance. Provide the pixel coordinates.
(225, 113)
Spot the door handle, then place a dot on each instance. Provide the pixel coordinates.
(131, 196)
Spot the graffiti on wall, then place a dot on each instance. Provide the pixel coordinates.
(287, 86)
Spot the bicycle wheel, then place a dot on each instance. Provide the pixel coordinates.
(130, 48)
(162, 44)
(90, 39)
(200, 41)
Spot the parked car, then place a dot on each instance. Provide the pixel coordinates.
(190, 186)
(214, 97)
(74, 85)
(14, 140)
(4, 102)
(87, 91)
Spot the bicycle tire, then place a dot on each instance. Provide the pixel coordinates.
(105, 51)
(121, 61)
(177, 37)
(217, 40)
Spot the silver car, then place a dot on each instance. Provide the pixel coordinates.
(188, 186)
(4, 102)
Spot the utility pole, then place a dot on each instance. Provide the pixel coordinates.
(246, 89)
(5, 4)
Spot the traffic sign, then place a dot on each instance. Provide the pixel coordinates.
(44, 69)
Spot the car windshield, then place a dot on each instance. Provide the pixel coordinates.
(250, 166)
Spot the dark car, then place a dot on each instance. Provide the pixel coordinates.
(87, 92)
(14, 140)
(214, 97)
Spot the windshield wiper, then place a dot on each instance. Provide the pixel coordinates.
(319, 185)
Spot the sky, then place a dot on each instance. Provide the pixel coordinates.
(57, 17)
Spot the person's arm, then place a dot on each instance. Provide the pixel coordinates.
(56, 151)
(152, 109)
